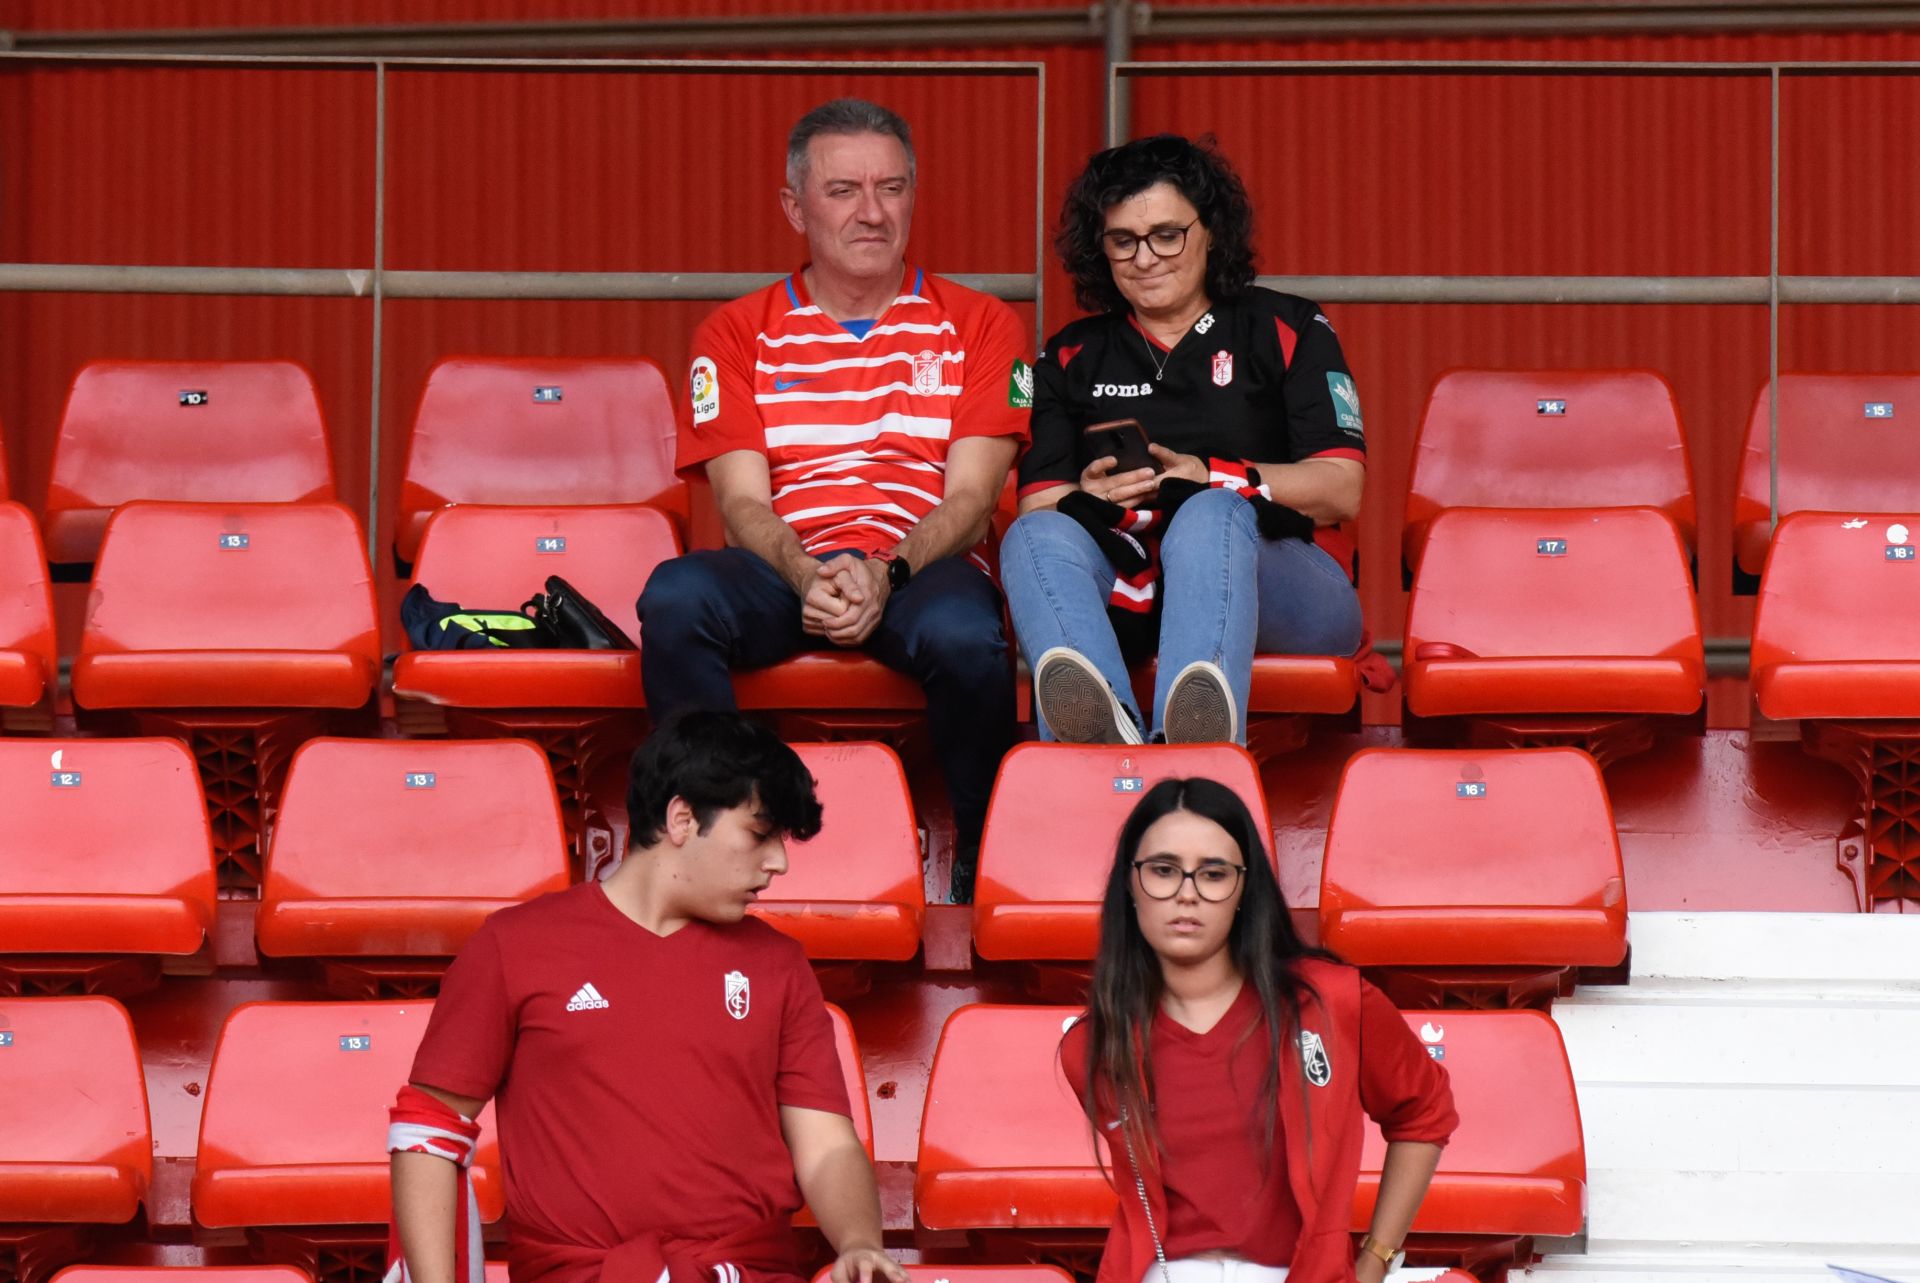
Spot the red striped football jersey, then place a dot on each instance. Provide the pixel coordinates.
(855, 428)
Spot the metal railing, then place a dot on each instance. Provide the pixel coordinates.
(376, 282)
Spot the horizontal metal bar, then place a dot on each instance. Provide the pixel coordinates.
(1524, 289)
(1597, 289)
(670, 66)
(70, 278)
(1322, 22)
(1518, 67)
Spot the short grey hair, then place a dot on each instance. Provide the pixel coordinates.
(843, 116)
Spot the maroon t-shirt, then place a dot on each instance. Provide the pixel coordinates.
(637, 1078)
(1210, 1114)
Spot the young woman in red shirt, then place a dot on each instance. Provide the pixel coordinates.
(1228, 1065)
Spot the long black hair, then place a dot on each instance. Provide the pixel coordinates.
(1127, 982)
(1198, 171)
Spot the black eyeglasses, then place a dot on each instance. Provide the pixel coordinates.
(1165, 242)
(1213, 881)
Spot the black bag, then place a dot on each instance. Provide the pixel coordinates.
(444, 625)
(576, 621)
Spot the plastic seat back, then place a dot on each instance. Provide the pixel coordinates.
(1836, 632)
(75, 1143)
(1003, 1142)
(185, 1274)
(401, 848)
(1846, 445)
(192, 431)
(1498, 857)
(342, 1063)
(1549, 438)
(29, 660)
(106, 848)
(856, 891)
(1517, 1164)
(494, 557)
(1583, 610)
(217, 605)
(538, 431)
(1051, 826)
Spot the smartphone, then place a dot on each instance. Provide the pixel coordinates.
(1125, 440)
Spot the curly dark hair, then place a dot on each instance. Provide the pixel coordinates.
(1201, 174)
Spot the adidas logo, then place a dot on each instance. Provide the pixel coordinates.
(587, 998)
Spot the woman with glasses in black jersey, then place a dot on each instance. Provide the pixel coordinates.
(1229, 1066)
(1217, 535)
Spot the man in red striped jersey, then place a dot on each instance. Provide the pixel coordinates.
(857, 421)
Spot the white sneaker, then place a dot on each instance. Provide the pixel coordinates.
(1076, 703)
(1200, 706)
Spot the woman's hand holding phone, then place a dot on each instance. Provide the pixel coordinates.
(1128, 489)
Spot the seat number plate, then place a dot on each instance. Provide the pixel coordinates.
(66, 779)
(548, 395)
(1470, 788)
(1550, 547)
(421, 779)
(356, 1042)
(550, 543)
(1129, 784)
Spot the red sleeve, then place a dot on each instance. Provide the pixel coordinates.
(718, 414)
(1401, 1087)
(469, 1038)
(810, 1074)
(998, 395)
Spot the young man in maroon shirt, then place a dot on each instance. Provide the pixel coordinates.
(662, 1066)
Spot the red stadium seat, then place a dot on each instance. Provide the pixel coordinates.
(29, 664)
(822, 680)
(856, 891)
(496, 558)
(1003, 1144)
(186, 1274)
(229, 606)
(105, 853)
(1846, 445)
(341, 1062)
(243, 629)
(1480, 863)
(1517, 1165)
(1836, 646)
(1836, 632)
(1548, 438)
(1051, 827)
(401, 848)
(194, 431)
(538, 431)
(1535, 611)
(855, 1079)
(5, 493)
(75, 1145)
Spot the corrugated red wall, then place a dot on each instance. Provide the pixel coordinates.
(1449, 174)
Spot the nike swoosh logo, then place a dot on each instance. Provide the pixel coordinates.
(781, 385)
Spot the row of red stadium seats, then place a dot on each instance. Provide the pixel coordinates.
(1004, 1145)
(1514, 612)
(538, 431)
(387, 854)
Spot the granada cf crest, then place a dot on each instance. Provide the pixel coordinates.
(1222, 368)
(738, 995)
(926, 374)
(1313, 1057)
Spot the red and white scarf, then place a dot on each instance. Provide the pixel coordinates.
(422, 1124)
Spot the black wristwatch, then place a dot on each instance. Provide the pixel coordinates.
(899, 571)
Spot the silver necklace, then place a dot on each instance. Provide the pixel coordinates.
(1159, 361)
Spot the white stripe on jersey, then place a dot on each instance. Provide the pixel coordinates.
(847, 461)
(824, 538)
(850, 363)
(1121, 588)
(906, 425)
(895, 486)
(842, 336)
(835, 510)
(864, 394)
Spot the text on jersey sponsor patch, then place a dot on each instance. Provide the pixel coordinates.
(703, 390)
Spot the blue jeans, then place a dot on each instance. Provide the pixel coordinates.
(1226, 594)
(706, 613)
